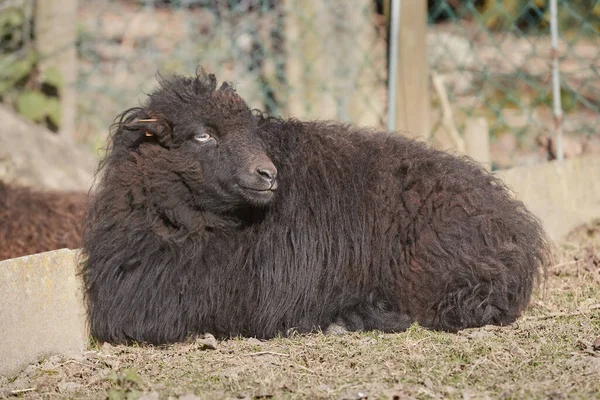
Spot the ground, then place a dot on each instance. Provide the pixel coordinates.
(553, 351)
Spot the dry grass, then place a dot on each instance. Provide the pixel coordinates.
(553, 351)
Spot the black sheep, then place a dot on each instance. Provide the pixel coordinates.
(211, 218)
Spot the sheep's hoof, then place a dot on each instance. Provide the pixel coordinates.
(336, 329)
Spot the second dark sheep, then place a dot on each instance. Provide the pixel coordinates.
(211, 218)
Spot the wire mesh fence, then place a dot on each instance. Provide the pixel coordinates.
(496, 60)
(324, 59)
(310, 59)
(307, 58)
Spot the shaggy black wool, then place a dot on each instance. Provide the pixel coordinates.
(209, 217)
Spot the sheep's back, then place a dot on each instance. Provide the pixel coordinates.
(384, 214)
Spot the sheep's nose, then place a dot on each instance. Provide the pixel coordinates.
(269, 173)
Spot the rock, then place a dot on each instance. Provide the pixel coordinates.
(479, 335)
(31, 155)
(368, 341)
(107, 348)
(335, 329)
(90, 355)
(517, 118)
(449, 52)
(68, 387)
(208, 342)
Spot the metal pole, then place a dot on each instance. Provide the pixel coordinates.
(393, 62)
(558, 112)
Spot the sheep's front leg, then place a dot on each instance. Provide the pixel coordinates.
(372, 314)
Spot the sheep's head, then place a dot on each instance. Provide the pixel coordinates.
(199, 139)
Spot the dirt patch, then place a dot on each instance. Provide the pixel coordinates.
(553, 351)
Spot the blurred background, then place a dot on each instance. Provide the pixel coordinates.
(475, 76)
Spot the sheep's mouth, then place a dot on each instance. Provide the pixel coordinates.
(258, 195)
(268, 191)
(263, 189)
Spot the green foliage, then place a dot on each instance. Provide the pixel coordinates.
(14, 69)
(10, 20)
(33, 94)
(523, 13)
(37, 106)
(53, 111)
(53, 77)
(31, 104)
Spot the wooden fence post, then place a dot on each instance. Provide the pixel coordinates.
(55, 36)
(477, 141)
(412, 83)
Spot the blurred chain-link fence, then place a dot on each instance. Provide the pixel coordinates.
(322, 59)
(496, 60)
(307, 58)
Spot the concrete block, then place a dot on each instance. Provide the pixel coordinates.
(563, 194)
(41, 309)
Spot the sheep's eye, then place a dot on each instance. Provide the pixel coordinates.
(202, 137)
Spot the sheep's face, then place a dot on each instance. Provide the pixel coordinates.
(205, 141)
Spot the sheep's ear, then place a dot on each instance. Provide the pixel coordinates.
(225, 87)
(150, 127)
